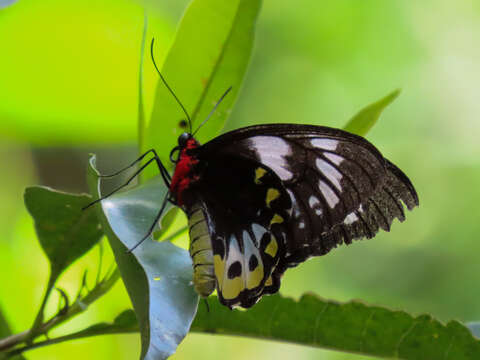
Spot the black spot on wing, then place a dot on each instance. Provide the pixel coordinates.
(218, 246)
(252, 263)
(234, 270)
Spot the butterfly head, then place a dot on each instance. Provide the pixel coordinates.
(183, 140)
(186, 141)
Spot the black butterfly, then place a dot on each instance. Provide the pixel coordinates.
(265, 198)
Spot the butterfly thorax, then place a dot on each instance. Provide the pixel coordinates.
(185, 173)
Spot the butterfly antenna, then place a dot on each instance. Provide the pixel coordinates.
(213, 110)
(168, 87)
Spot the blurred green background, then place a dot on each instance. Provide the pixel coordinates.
(68, 86)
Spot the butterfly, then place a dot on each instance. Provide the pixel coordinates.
(262, 199)
(265, 198)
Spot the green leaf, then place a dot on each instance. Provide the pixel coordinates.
(210, 53)
(126, 318)
(141, 109)
(349, 327)
(158, 276)
(65, 231)
(125, 322)
(363, 121)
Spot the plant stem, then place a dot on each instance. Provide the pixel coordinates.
(76, 308)
(39, 318)
(113, 329)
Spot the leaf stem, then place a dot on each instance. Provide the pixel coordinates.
(79, 306)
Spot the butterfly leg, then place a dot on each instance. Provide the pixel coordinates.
(206, 304)
(163, 172)
(121, 186)
(160, 212)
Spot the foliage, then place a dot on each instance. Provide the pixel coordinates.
(354, 327)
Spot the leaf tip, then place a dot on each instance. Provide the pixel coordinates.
(393, 95)
(364, 120)
(92, 159)
(92, 163)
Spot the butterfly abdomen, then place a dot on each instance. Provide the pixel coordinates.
(201, 251)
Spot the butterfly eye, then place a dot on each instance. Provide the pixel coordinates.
(173, 158)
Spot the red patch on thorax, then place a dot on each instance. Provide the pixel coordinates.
(184, 175)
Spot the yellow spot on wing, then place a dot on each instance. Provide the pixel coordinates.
(272, 247)
(259, 172)
(232, 287)
(255, 277)
(219, 265)
(269, 281)
(157, 278)
(277, 219)
(272, 194)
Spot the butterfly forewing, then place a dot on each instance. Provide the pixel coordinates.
(328, 170)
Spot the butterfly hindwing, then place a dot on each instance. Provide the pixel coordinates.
(247, 209)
